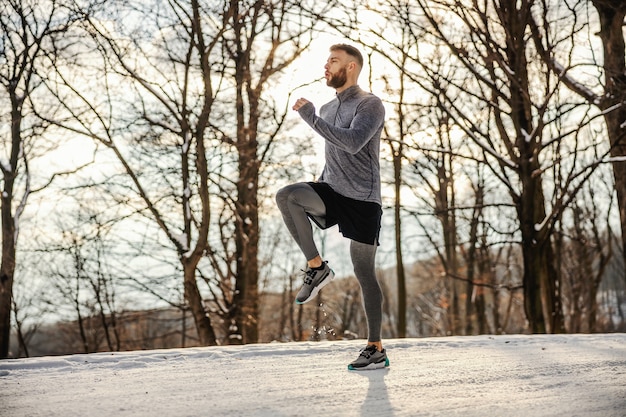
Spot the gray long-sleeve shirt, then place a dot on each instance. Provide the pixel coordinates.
(351, 125)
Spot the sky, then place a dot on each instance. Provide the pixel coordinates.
(508, 375)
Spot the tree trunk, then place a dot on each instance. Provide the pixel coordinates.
(201, 318)
(397, 154)
(444, 210)
(7, 270)
(244, 328)
(541, 299)
(400, 273)
(9, 233)
(246, 298)
(613, 102)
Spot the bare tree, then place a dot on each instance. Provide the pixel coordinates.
(396, 138)
(611, 100)
(525, 116)
(30, 35)
(151, 108)
(176, 101)
(263, 39)
(432, 165)
(585, 249)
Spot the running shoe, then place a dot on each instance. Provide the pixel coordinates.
(314, 280)
(370, 358)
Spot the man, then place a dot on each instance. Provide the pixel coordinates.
(348, 192)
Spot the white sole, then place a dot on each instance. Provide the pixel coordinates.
(370, 367)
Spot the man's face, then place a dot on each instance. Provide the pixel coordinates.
(336, 69)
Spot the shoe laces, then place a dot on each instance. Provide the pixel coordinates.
(308, 276)
(369, 351)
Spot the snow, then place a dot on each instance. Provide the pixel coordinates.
(513, 375)
(563, 74)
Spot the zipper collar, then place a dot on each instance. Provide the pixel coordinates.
(348, 93)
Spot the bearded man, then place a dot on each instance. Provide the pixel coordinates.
(347, 193)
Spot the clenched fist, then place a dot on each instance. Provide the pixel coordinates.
(299, 103)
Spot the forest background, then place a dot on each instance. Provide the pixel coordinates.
(143, 143)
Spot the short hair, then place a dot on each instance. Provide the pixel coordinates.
(350, 50)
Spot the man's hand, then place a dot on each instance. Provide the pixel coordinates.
(299, 103)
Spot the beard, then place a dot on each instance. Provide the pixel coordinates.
(338, 79)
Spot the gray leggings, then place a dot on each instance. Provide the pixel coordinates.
(297, 202)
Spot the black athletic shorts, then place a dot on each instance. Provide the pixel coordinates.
(358, 220)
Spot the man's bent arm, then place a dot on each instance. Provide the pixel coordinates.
(366, 122)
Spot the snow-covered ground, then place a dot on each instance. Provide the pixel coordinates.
(516, 375)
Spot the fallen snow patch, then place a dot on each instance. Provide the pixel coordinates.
(516, 375)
